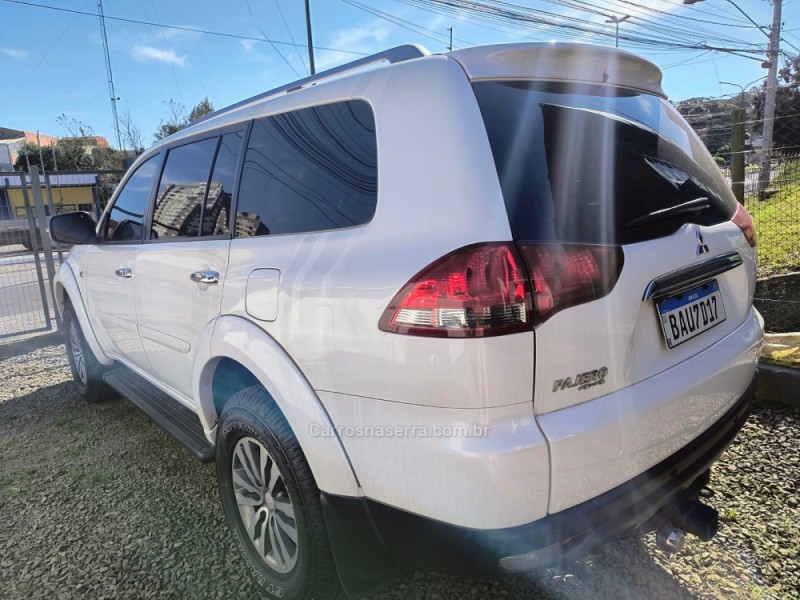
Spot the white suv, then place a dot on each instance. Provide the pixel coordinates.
(476, 312)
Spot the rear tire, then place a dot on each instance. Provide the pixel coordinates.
(271, 501)
(87, 372)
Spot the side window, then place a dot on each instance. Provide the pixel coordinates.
(126, 218)
(309, 170)
(218, 201)
(182, 190)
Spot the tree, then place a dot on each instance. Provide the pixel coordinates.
(130, 133)
(204, 107)
(30, 154)
(710, 119)
(177, 119)
(78, 152)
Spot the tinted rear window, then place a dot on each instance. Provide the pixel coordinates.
(585, 163)
(312, 169)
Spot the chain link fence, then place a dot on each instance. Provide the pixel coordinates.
(28, 261)
(772, 197)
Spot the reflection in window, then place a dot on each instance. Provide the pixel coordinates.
(182, 190)
(218, 202)
(309, 170)
(125, 220)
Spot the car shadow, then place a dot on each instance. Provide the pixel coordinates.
(138, 516)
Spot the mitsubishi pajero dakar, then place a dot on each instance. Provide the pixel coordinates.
(476, 312)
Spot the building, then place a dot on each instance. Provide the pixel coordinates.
(70, 193)
(12, 141)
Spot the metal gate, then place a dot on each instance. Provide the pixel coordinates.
(26, 301)
(28, 259)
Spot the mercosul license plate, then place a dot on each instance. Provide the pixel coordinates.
(689, 314)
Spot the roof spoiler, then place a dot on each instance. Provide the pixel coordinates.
(561, 61)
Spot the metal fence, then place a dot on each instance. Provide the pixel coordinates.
(772, 196)
(28, 260)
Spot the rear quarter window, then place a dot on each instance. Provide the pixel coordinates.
(312, 169)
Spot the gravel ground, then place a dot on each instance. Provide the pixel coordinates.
(96, 502)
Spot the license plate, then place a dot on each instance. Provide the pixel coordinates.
(689, 314)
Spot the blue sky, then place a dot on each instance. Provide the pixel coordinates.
(52, 62)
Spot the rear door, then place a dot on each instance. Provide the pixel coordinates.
(181, 266)
(610, 196)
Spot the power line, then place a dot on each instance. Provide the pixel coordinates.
(176, 27)
(40, 61)
(684, 17)
(404, 23)
(545, 21)
(266, 38)
(645, 19)
(291, 37)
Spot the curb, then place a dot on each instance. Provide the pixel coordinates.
(778, 385)
(31, 343)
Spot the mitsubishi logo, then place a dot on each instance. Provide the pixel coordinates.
(702, 247)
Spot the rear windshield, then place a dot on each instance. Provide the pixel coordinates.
(595, 164)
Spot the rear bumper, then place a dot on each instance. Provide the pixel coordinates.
(369, 538)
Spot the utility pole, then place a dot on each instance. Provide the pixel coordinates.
(737, 154)
(310, 40)
(450, 47)
(39, 144)
(108, 73)
(617, 20)
(769, 105)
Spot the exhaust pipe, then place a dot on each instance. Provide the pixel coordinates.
(670, 539)
(693, 517)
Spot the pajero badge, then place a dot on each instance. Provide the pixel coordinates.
(582, 381)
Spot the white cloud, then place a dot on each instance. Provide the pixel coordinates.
(249, 45)
(253, 51)
(146, 53)
(14, 53)
(368, 38)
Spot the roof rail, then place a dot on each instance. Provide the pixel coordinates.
(392, 55)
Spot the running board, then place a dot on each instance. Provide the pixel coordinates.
(169, 414)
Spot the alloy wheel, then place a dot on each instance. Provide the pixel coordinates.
(78, 355)
(266, 510)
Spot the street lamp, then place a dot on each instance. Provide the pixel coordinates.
(743, 88)
(617, 20)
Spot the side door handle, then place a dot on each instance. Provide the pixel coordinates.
(124, 272)
(205, 277)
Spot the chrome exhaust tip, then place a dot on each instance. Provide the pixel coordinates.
(670, 538)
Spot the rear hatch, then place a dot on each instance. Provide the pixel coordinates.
(625, 223)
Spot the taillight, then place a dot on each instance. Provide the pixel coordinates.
(745, 222)
(476, 291)
(564, 275)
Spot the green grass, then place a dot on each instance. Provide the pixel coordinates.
(731, 515)
(18, 481)
(777, 222)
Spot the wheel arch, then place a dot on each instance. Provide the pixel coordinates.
(239, 354)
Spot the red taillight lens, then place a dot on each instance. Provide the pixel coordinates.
(745, 222)
(565, 275)
(477, 291)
